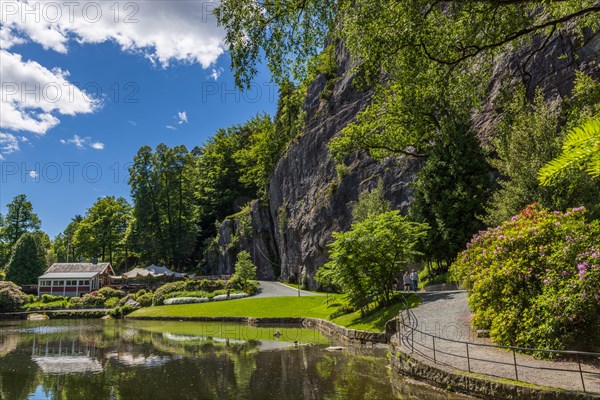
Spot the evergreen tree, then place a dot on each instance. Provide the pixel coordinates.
(245, 270)
(28, 260)
(19, 219)
(450, 193)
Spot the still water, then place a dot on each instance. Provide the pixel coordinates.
(95, 359)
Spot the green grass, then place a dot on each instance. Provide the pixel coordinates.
(281, 307)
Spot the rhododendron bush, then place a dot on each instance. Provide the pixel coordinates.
(534, 281)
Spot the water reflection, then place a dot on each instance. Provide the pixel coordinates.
(92, 359)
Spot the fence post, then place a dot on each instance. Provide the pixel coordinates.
(468, 359)
(581, 373)
(412, 340)
(434, 360)
(515, 361)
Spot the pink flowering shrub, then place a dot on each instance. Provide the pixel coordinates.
(534, 281)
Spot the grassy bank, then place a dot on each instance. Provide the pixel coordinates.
(281, 307)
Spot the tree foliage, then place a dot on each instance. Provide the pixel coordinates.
(581, 148)
(100, 234)
(245, 270)
(436, 56)
(450, 192)
(28, 260)
(257, 160)
(164, 228)
(18, 220)
(371, 203)
(63, 248)
(528, 137)
(366, 259)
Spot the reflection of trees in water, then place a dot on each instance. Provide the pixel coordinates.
(18, 375)
(137, 364)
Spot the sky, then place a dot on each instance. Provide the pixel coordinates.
(85, 84)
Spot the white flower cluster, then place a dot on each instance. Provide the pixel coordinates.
(186, 300)
(231, 296)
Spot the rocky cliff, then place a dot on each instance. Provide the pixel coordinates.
(309, 199)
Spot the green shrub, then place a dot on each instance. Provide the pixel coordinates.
(121, 311)
(11, 296)
(110, 303)
(534, 281)
(48, 298)
(145, 299)
(108, 292)
(90, 300)
(140, 293)
(52, 305)
(188, 285)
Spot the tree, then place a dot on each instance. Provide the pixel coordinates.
(100, 233)
(366, 259)
(437, 57)
(165, 211)
(580, 149)
(28, 260)
(448, 33)
(257, 160)
(370, 204)
(63, 248)
(219, 190)
(527, 138)
(245, 270)
(19, 219)
(450, 193)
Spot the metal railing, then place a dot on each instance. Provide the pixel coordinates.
(408, 328)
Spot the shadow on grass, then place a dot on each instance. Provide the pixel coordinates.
(376, 319)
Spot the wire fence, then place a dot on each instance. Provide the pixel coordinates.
(473, 358)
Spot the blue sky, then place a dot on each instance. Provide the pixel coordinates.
(81, 94)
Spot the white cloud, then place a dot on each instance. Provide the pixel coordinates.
(33, 174)
(83, 142)
(216, 73)
(171, 127)
(31, 95)
(8, 144)
(183, 119)
(163, 31)
(132, 123)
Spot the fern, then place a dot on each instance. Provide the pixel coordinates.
(581, 148)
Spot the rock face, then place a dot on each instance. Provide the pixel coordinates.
(250, 230)
(549, 63)
(308, 199)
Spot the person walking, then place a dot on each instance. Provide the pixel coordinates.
(414, 280)
(407, 283)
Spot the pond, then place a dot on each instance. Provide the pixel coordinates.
(96, 359)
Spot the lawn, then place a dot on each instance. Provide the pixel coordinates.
(281, 307)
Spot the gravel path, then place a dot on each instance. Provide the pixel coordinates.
(276, 289)
(446, 314)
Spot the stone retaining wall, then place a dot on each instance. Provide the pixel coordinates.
(461, 382)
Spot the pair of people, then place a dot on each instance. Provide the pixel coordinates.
(410, 281)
